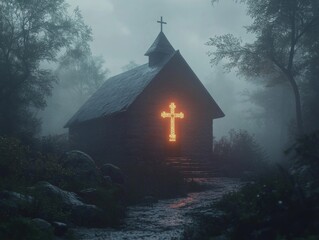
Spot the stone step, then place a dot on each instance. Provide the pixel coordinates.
(194, 168)
(178, 159)
(189, 164)
(191, 168)
(199, 175)
(192, 164)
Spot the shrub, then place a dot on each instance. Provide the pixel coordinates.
(305, 164)
(13, 159)
(280, 205)
(20, 166)
(238, 154)
(22, 228)
(54, 144)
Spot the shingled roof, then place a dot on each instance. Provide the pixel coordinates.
(119, 92)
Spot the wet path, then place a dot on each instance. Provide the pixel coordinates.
(166, 219)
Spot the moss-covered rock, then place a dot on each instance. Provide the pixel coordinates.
(84, 172)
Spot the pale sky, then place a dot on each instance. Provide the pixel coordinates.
(124, 29)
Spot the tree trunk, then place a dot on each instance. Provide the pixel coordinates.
(299, 118)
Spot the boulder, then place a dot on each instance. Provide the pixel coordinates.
(106, 180)
(113, 172)
(60, 229)
(13, 203)
(80, 213)
(64, 198)
(88, 215)
(90, 195)
(84, 171)
(42, 224)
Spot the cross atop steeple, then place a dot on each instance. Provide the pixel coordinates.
(161, 22)
(161, 48)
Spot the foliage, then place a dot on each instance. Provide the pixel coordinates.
(286, 33)
(239, 154)
(32, 33)
(53, 144)
(48, 208)
(305, 168)
(12, 159)
(310, 91)
(280, 205)
(20, 166)
(81, 72)
(22, 228)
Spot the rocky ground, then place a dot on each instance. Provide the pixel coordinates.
(165, 219)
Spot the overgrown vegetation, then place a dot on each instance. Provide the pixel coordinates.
(24, 167)
(239, 155)
(32, 33)
(23, 228)
(280, 205)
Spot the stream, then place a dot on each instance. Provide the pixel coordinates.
(165, 219)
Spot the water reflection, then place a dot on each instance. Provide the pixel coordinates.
(183, 202)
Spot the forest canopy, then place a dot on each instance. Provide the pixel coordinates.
(34, 33)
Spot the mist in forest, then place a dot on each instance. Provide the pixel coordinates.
(121, 35)
(109, 168)
(105, 38)
(122, 32)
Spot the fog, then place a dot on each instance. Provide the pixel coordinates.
(124, 30)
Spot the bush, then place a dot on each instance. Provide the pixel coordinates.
(23, 228)
(305, 164)
(49, 208)
(13, 161)
(239, 154)
(21, 167)
(54, 144)
(280, 205)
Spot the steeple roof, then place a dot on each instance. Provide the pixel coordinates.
(160, 45)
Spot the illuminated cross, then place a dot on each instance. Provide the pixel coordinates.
(161, 22)
(172, 115)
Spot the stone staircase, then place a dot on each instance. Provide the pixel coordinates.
(191, 168)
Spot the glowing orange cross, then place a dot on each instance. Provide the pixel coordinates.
(172, 115)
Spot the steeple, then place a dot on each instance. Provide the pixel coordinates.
(160, 49)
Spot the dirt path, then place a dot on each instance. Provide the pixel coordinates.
(166, 219)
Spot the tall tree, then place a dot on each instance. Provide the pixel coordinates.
(281, 50)
(81, 72)
(79, 75)
(33, 33)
